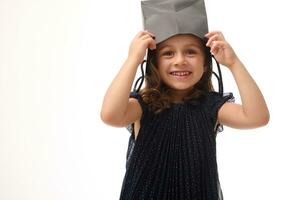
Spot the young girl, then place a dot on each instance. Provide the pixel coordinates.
(175, 116)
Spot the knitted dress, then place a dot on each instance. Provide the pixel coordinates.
(174, 154)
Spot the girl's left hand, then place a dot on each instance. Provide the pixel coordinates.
(221, 49)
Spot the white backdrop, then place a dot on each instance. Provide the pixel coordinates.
(58, 57)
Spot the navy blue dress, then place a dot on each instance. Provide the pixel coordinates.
(174, 154)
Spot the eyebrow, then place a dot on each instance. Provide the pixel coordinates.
(198, 46)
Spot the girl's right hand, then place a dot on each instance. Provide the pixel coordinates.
(142, 41)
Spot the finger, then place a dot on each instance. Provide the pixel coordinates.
(216, 46)
(152, 34)
(210, 34)
(151, 43)
(146, 32)
(212, 39)
(147, 36)
(142, 33)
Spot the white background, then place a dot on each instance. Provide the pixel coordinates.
(58, 57)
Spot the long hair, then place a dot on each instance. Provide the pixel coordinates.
(156, 94)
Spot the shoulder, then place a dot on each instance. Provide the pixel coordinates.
(134, 105)
(132, 114)
(134, 108)
(215, 100)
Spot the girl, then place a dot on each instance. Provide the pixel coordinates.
(172, 152)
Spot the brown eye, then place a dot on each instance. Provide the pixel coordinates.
(191, 51)
(168, 53)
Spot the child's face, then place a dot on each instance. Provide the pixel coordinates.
(180, 62)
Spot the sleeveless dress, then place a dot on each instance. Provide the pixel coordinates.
(174, 154)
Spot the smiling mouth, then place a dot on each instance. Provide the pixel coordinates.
(180, 73)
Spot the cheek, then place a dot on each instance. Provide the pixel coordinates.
(200, 71)
(162, 66)
(201, 65)
(160, 69)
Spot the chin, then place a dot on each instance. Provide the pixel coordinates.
(181, 87)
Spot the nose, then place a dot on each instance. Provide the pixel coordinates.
(180, 59)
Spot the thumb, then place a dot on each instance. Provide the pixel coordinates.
(153, 45)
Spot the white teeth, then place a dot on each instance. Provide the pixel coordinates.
(180, 73)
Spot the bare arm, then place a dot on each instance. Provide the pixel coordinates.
(116, 99)
(117, 109)
(253, 112)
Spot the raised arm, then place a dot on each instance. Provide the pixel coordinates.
(253, 112)
(117, 109)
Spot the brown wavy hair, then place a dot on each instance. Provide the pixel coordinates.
(156, 94)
